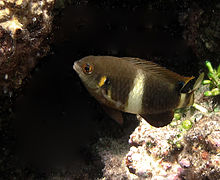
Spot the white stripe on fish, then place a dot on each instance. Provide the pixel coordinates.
(135, 97)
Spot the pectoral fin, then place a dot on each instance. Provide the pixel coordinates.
(159, 120)
(198, 81)
(114, 114)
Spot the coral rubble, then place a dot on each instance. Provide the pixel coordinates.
(156, 154)
(202, 148)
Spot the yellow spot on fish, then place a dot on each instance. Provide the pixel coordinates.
(102, 81)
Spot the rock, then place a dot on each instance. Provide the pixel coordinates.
(202, 149)
(24, 29)
(154, 153)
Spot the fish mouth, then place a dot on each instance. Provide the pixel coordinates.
(76, 66)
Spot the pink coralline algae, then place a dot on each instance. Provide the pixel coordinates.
(154, 154)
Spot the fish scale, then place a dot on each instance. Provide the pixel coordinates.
(120, 89)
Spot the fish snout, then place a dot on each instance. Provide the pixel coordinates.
(76, 66)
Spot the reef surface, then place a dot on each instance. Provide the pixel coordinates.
(24, 31)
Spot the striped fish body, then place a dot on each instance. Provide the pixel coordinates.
(131, 85)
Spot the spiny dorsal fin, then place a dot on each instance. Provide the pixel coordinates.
(156, 69)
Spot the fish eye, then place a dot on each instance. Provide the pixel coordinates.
(87, 68)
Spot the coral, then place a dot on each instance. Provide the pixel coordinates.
(24, 28)
(202, 149)
(154, 151)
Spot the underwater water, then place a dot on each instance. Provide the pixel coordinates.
(55, 119)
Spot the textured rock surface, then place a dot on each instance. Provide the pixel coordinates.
(153, 151)
(157, 154)
(202, 149)
(24, 28)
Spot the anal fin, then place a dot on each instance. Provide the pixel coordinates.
(114, 114)
(159, 119)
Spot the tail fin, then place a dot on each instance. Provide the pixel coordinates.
(187, 98)
(187, 79)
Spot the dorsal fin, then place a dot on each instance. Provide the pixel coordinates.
(157, 70)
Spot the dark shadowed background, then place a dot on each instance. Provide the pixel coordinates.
(55, 120)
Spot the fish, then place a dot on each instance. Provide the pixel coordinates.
(135, 86)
